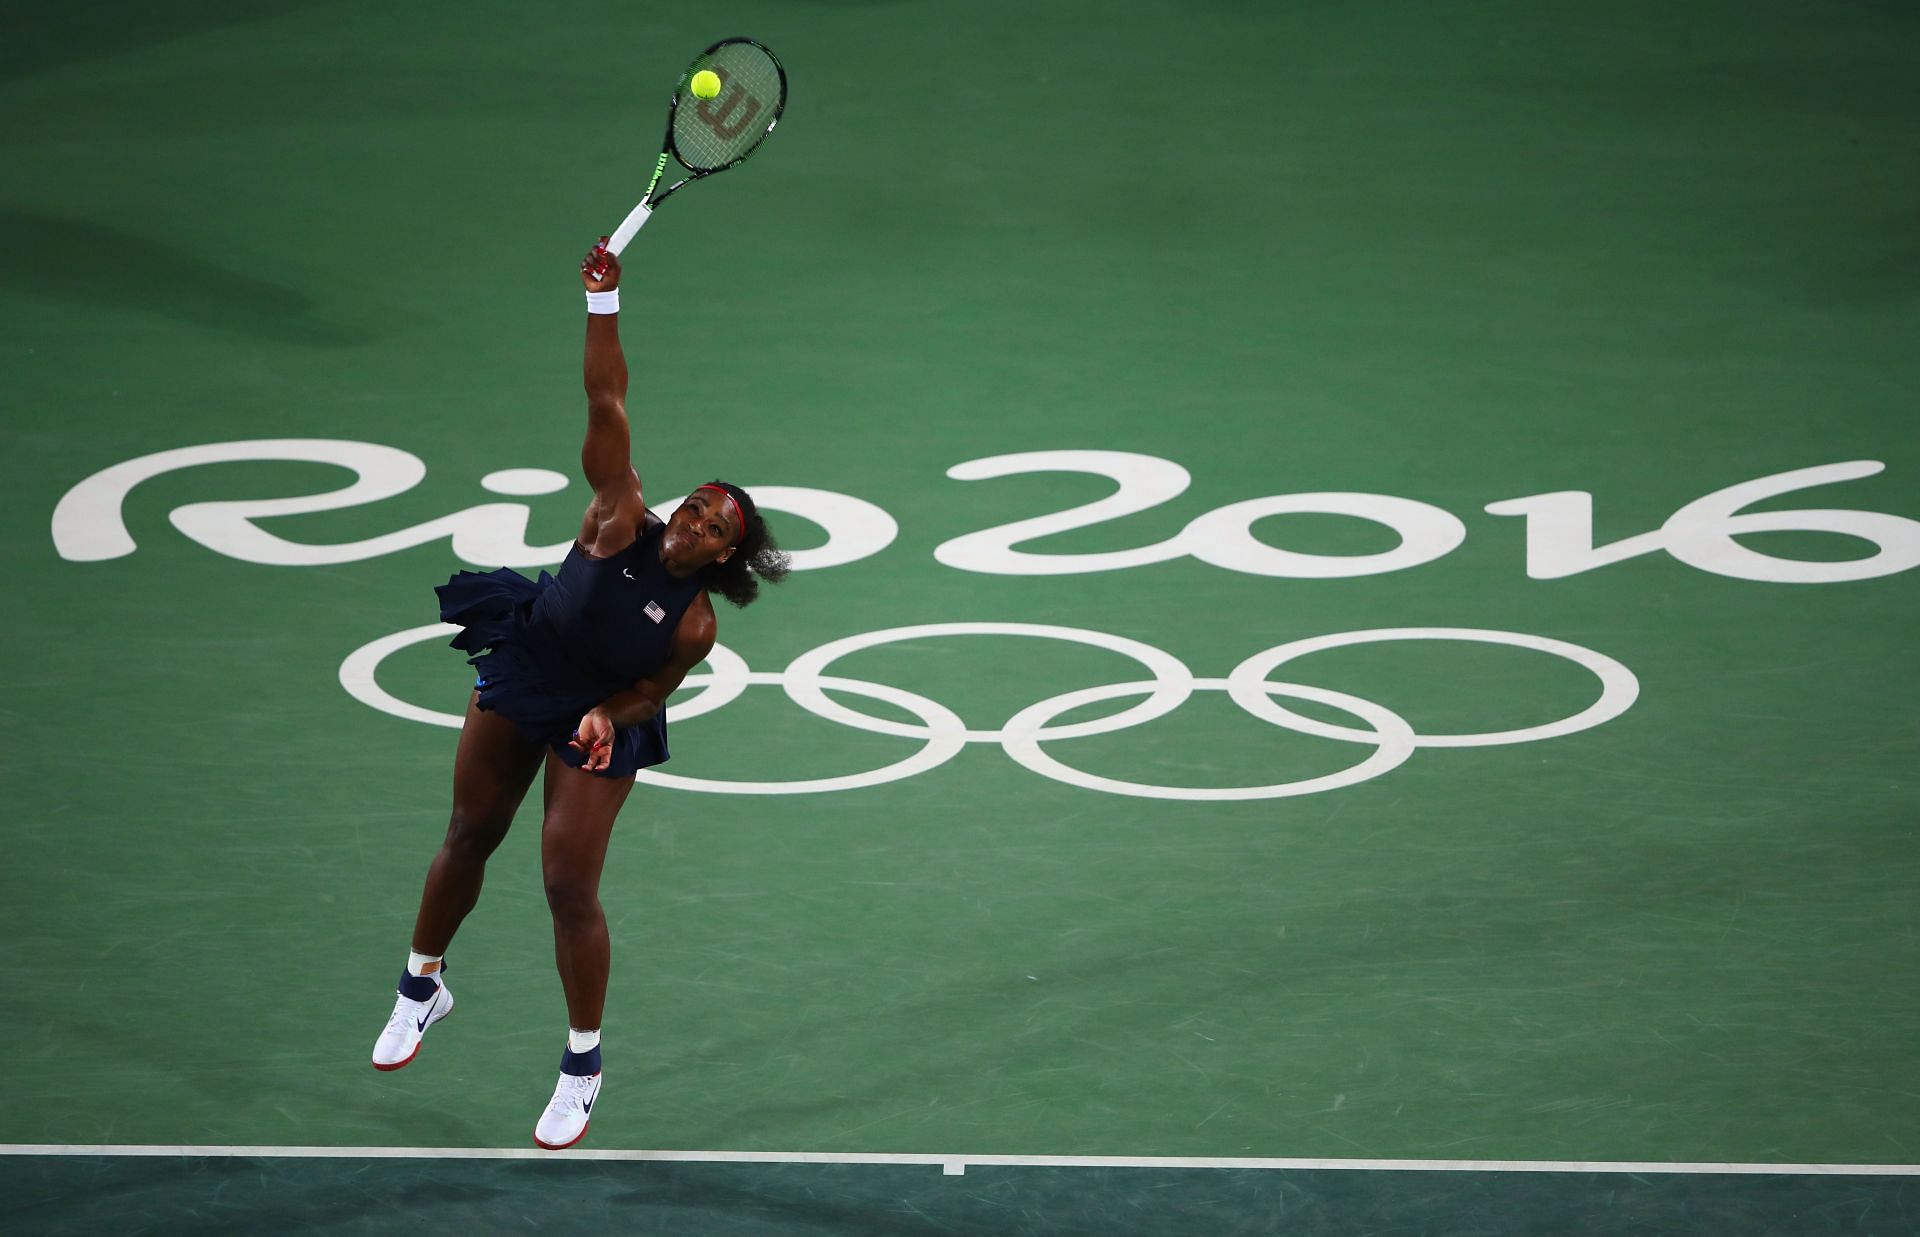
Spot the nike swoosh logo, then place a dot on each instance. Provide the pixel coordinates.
(429, 1013)
(627, 572)
(588, 1106)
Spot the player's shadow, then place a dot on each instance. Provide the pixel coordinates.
(61, 259)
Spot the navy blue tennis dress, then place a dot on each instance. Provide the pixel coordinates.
(549, 650)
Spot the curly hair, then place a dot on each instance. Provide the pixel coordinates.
(756, 558)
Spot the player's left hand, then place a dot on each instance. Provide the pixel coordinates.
(595, 738)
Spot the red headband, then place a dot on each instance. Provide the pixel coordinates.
(738, 514)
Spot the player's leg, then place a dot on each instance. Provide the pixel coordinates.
(491, 772)
(580, 810)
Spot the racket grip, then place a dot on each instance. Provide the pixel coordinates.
(628, 226)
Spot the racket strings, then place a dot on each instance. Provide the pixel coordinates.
(709, 134)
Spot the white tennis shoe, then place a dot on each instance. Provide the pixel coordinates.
(564, 1123)
(410, 1020)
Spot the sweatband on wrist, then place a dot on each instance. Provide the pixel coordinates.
(607, 302)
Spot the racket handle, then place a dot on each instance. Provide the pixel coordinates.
(628, 226)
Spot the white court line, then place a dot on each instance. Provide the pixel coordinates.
(955, 1165)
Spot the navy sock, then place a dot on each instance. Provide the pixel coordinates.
(581, 1064)
(418, 987)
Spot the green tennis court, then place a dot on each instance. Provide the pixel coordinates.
(1352, 669)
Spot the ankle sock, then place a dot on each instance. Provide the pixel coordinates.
(581, 1064)
(421, 979)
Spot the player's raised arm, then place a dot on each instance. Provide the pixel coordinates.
(606, 457)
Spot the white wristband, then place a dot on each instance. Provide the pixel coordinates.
(607, 302)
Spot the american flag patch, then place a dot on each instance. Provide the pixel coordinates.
(654, 611)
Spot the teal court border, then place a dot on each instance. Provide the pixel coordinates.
(56, 1189)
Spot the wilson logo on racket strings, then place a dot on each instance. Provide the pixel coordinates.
(726, 101)
(1025, 735)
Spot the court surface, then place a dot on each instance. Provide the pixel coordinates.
(1180, 803)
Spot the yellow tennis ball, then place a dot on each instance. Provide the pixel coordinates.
(705, 84)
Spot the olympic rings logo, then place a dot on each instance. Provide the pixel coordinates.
(1026, 735)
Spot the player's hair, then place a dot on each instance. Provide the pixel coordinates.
(756, 558)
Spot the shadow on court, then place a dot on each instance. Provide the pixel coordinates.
(37, 36)
(40, 256)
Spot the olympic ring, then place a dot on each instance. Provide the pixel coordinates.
(1619, 689)
(943, 744)
(1395, 737)
(943, 734)
(727, 679)
(358, 670)
(1169, 673)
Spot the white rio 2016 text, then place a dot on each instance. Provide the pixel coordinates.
(88, 524)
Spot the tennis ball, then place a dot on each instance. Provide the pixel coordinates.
(705, 84)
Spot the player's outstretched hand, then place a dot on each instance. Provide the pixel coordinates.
(600, 270)
(595, 738)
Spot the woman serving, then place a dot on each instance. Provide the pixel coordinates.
(574, 673)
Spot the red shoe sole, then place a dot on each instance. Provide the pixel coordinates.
(560, 1146)
(397, 1064)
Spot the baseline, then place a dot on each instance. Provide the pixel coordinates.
(957, 1164)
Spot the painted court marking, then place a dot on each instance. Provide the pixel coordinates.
(956, 1165)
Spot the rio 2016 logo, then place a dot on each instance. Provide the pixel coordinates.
(88, 526)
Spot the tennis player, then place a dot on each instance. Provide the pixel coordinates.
(574, 673)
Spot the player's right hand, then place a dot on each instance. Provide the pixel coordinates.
(600, 270)
(594, 740)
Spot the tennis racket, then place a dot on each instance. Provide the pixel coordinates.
(711, 135)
